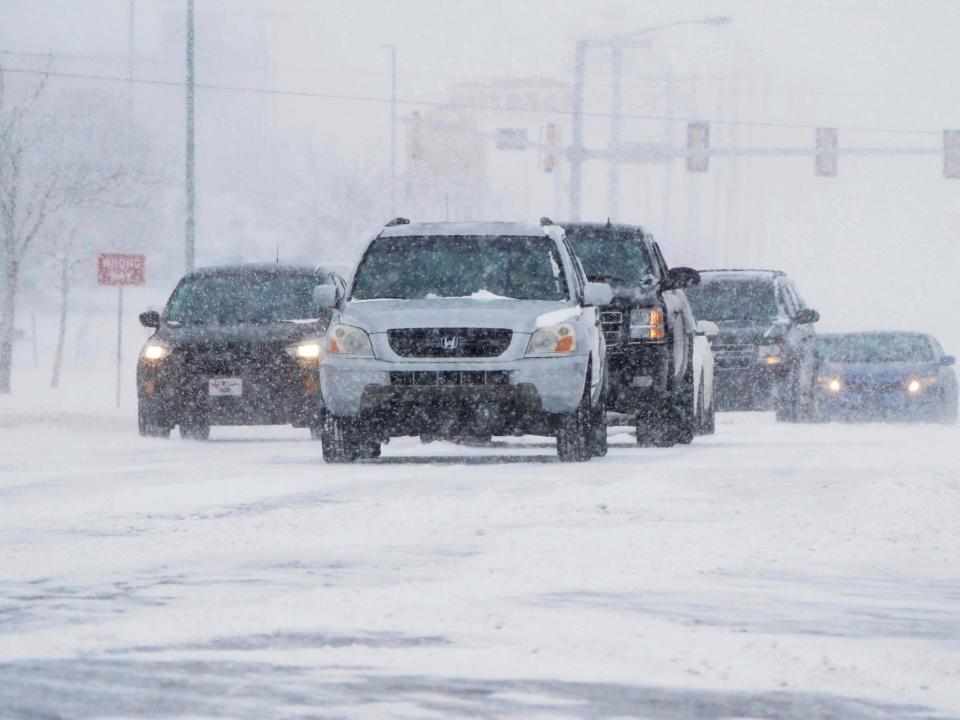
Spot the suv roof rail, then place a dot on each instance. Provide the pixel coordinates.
(397, 221)
(544, 221)
(778, 273)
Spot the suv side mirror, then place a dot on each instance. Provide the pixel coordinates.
(325, 296)
(150, 319)
(807, 316)
(948, 360)
(596, 294)
(679, 278)
(708, 328)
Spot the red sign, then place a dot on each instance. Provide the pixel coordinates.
(120, 269)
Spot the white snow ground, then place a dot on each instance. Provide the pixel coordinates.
(770, 571)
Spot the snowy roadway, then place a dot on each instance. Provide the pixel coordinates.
(770, 571)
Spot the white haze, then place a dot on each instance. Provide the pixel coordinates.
(874, 247)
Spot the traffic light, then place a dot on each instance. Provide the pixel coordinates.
(698, 147)
(551, 146)
(825, 161)
(951, 153)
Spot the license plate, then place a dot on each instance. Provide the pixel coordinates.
(226, 387)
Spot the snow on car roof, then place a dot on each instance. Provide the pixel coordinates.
(256, 269)
(737, 273)
(470, 228)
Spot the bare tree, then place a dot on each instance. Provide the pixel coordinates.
(42, 173)
(65, 252)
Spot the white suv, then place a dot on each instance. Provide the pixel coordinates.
(456, 330)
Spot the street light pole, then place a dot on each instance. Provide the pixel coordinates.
(191, 199)
(576, 147)
(616, 44)
(616, 123)
(393, 129)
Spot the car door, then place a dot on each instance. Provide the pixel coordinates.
(803, 337)
(679, 318)
(592, 320)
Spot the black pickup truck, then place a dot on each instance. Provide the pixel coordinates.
(660, 366)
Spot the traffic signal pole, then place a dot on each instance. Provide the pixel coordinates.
(191, 191)
(576, 147)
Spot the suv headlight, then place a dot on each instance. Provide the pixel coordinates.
(308, 349)
(551, 340)
(647, 324)
(348, 340)
(770, 354)
(155, 351)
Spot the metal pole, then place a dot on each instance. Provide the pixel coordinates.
(576, 147)
(119, 337)
(190, 180)
(130, 40)
(616, 123)
(393, 130)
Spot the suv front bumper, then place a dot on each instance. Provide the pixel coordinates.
(360, 386)
(637, 372)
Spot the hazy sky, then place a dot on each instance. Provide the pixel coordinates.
(882, 236)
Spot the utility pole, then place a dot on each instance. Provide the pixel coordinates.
(616, 124)
(190, 179)
(393, 129)
(576, 141)
(130, 40)
(614, 152)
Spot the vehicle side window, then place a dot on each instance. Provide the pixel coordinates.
(661, 262)
(785, 299)
(579, 276)
(797, 300)
(937, 347)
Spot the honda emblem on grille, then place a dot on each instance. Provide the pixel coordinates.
(449, 342)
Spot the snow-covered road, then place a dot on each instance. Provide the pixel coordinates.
(770, 571)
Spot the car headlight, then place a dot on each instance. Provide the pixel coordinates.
(348, 340)
(832, 384)
(155, 351)
(554, 339)
(647, 324)
(308, 349)
(916, 385)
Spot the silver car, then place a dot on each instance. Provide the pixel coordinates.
(458, 330)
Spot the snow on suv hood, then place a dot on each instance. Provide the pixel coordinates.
(378, 316)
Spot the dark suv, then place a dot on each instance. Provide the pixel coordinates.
(659, 364)
(765, 353)
(235, 345)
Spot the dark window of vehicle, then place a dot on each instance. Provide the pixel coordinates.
(720, 300)
(875, 348)
(228, 299)
(409, 268)
(788, 300)
(611, 258)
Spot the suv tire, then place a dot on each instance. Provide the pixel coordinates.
(149, 427)
(195, 429)
(576, 436)
(339, 438)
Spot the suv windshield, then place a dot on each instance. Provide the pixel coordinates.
(875, 348)
(409, 268)
(721, 300)
(228, 299)
(611, 258)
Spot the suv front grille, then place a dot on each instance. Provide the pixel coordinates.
(446, 378)
(449, 342)
(232, 359)
(612, 323)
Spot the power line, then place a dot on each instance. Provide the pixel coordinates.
(463, 106)
(640, 81)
